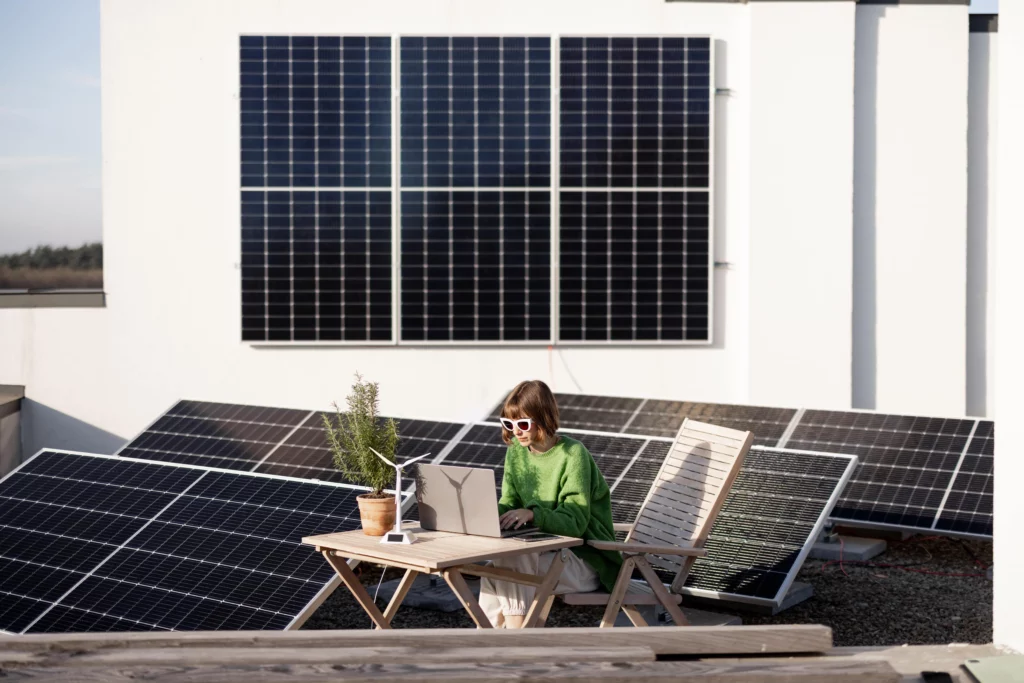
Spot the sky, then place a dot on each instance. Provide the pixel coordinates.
(50, 121)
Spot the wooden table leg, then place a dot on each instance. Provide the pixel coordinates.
(540, 598)
(453, 577)
(350, 580)
(399, 596)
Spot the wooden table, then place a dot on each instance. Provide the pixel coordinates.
(449, 555)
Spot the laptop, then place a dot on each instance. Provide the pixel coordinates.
(462, 500)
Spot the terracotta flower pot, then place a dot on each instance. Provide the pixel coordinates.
(377, 513)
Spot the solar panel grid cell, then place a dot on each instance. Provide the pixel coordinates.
(633, 266)
(315, 111)
(906, 462)
(968, 508)
(316, 265)
(475, 137)
(634, 117)
(600, 413)
(768, 424)
(221, 435)
(66, 620)
(306, 454)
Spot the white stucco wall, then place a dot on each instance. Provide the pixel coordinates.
(787, 198)
(801, 202)
(982, 147)
(910, 207)
(1008, 374)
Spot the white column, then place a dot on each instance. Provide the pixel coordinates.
(801, 208)
(982, 143)
(910, 209)
(1008, 600)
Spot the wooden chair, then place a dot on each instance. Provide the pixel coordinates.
(673, 522)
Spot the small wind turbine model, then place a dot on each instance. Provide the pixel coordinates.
(398, 536)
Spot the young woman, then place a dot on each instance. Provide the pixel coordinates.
(552, 482)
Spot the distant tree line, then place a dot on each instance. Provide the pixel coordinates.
(85, 257)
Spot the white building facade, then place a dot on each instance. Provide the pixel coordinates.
(849, 145)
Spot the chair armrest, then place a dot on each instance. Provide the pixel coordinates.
(620, 526)
(645, 548)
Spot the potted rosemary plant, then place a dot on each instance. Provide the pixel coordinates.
(351, 434)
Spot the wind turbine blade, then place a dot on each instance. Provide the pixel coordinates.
(382, 457)
(418, 457)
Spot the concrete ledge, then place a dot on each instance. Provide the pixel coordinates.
(58, 298)
(10, 398)
(852, 549)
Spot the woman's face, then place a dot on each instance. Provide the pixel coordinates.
(525, 437)
(528, 436)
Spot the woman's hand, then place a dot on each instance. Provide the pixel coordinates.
(513, 519)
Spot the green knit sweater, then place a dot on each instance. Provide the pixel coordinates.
(568, 496)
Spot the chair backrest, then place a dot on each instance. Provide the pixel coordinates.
(689, 490)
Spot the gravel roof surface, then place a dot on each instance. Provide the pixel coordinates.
(942, 595)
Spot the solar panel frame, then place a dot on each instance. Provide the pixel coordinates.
(295, 621)
(324, 173)
(660, 188)
(809, 542)
(533, 193)
(293, 173)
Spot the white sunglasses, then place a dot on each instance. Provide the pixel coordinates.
(524, 424)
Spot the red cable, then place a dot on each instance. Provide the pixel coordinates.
(874, 565)
(841, 562)
(841, 546)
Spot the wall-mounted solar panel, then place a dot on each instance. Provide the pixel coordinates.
(101, 543)
(316, 188)
(634, 196)
(906, 463)
(475, 149)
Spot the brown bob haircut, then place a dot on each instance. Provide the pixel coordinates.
(532, 399)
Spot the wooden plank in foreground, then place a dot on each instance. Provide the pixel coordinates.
(315, 656)
(844, 670)
(663, 640)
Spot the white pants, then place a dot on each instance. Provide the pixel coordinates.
(504, 598)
